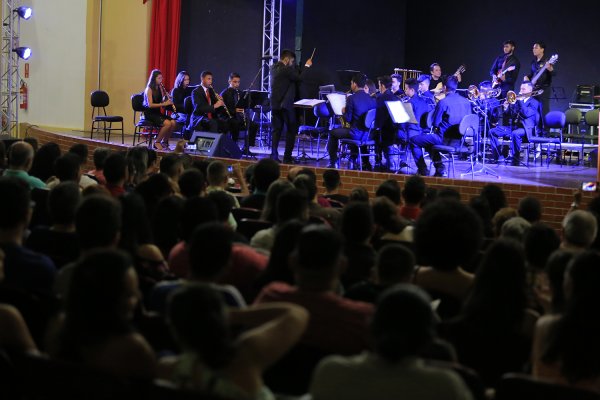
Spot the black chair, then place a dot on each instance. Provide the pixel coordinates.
(102, 121)
(318, 131)
(142, 127)
(468, 127)
(245, 212)
(188, 109)
(517, 386)
(552, 141)
(366, 140)
(248, 227)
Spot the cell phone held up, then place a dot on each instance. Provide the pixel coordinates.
(589, 186)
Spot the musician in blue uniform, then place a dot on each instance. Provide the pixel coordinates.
(504, 62)
(525, 114)
(539, 62)
(357, 106)
(384, 123)
(424, 92)
(446, 117)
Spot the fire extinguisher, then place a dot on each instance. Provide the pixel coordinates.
(23, 92)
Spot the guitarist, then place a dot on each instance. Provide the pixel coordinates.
(436, 80)
(545, 80)
(504, 63)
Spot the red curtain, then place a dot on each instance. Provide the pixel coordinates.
(164, 39)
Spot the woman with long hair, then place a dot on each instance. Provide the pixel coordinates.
(180, 91)
(153, 101)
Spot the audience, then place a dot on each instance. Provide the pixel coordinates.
(413, 194)
(100, 156)
(332, 182)
(579, 229)
(20, 158)
(265, 172)
(116, 174)
(81, 151)
(42, 166)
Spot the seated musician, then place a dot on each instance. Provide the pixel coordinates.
(357, 105)
(231, 95)
(424, 92)
(180, 91)
(525, 116)
(384, 122)
(419, 107)
(206, 106)
(396, 82)
(446, 117)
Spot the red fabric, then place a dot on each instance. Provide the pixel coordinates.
(164, 39)
(208, 100)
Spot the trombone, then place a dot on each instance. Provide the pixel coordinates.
(473, 93)
(512, 97)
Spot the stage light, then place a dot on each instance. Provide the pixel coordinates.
(23, 52)
(24, 12)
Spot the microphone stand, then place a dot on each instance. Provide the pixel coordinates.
(484, 169)
(247, 152)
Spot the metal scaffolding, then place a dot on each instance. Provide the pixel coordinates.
(9, 68)
(271, 39)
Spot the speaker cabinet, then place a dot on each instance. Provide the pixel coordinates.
(212, 144)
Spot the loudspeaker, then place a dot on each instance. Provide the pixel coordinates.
(212, 144)
(585, 94)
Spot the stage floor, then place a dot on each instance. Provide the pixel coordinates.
(554, 175)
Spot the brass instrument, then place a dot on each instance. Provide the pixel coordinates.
(473, 92)
(168, 96)
(344, 123)
(512, 97)
(219, 98)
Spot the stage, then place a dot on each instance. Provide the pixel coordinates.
(553, 185)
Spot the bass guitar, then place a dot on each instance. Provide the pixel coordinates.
(537, 76)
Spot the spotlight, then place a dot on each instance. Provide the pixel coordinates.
(24, 12)
(23, 52)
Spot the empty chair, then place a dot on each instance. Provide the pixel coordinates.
(100, 120)
(366, 140)
(319, 130)
(591, 120)
(554, 122)
(468, 127)
(142, 127)
(573, 118)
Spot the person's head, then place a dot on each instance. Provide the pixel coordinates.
(538, 49)
(370, 87)
(358, 82)
(540, 241)
(98, 222)
(358, 194)
(579, 229)
(101, 299)
(292, 204)
(216, 174)
(198, 320)
(286, 236)
(495, 197)
(269, 212)
(192, 183)
(508, 46)
(395, 264)
(234, 80)
(391, 189)
(451, 83)
(317, 258)
(484, 88)
(155, 79)
(100, 156)
(182, 80)
(224, 203)
(210, 251)
(42, 166)
(357, 223)
(266, 172)
(67, 167)
(414, 190)
(453, 229)
(386, 217)
(384, 83)
(307, 185)
(411, 87)
(499, 294)
(81, 150)
(331, 180)
(16, 202)
(152, 162)
(403, 324)
(435, 70)
(63, 201)
(288, 57)
(197, 211)
(395, 84)
(115, 169)
(526, 87)
(424, 81)
(172, 166)
(20, 156)
(555, 270)
(137, 157)
(501, 216)
(515, 228)
(206, 77)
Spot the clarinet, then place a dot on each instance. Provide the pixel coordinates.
(243, 112)
(168, 96)
(219, 98)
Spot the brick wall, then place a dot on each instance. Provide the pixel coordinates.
(556, 201)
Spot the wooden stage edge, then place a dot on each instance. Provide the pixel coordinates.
(556, 200)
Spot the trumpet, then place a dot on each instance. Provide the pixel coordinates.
(474, 94)
(219, 98)
(512, 97)
(168, 96)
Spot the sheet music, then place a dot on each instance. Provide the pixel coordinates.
(308, 103)
(401, 112)
(338, 102)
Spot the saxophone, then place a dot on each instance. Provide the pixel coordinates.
(219, 98)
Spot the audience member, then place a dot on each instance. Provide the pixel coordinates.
(100, 156)
(81, 150)
(515, 228)
(358, 194)
(116, 174)
(390, 189)
(192, 183)
(530, 208)
(42, 166)
(332, 182)
(269, 211)
(495, 197)
(500, 217)
(579, 229)
(67, 168)
(357, 228)
(390, 227)
(20, 158)
(413, 194)
(266, 171)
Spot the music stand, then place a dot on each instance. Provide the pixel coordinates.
(483, 168)
(325, 90)
(401, 113)
(244, 103)
(258, 100)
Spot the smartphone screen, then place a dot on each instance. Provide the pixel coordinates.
(589, 186)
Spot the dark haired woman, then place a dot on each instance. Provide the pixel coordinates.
(215, 362)
(153, 101)
(180, 91)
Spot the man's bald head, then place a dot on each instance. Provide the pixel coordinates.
(20, 156)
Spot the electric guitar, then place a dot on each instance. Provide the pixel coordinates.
(437, 90)
(537, 76)
(497, 78)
